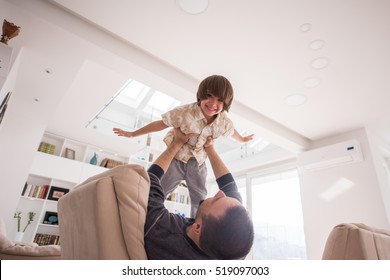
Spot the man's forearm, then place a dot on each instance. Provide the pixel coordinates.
(219, 167)
(165, 159)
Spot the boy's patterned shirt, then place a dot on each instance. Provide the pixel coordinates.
(190, 119)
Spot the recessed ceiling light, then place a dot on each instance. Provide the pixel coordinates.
(305, 27)
(312, 82)
(316, 45)
(295, 100)
(193, 7)
(320, 63)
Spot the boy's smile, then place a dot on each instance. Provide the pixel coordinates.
(211, 106)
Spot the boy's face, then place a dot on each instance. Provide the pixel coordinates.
(211, 106)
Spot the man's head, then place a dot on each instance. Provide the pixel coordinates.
(225, 230)
(217, 86)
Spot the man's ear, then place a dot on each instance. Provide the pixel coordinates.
(196, 228)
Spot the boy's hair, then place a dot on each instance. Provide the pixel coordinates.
(229, 237)
(218, 86)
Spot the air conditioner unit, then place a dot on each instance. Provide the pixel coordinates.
(347, 152)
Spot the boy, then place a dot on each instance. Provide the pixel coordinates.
(207, 117)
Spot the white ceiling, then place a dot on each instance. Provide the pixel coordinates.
(259, 45)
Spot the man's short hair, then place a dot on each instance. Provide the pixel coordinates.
(229, 237)
(218, 86)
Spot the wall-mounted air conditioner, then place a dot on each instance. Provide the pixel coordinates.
(347, 152)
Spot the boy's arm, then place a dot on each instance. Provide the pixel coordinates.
(151, 127)
(241, 139)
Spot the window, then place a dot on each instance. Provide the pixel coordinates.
(277, 217)
(274, 202)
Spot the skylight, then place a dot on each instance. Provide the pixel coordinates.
(132, 107)
(160, 103)
(132, 93)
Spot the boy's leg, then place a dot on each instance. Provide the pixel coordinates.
(196, 182)
(174, 175)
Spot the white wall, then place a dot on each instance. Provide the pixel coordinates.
(381, 153)
(348, 193)
(26, 119)
(16, 153)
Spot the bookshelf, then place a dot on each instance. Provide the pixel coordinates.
(58, 166)
(149, 153)
(79, 151)
(178, 201)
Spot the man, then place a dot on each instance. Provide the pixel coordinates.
(222, 228)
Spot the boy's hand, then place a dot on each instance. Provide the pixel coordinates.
(247, 138)
(121, 132)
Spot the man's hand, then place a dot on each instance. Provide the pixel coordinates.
(165, 159)
(209, 142)
(179, 137)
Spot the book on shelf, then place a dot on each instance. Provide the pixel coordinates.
(110, 163)
(35, 191)
(47, 239)
(179, 197)
(46, 148)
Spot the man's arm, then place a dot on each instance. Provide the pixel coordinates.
(222, 174)
(219, 167)
(165, 159)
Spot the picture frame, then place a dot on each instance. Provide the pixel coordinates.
(70, 154)
(51, 218)
(56, 193)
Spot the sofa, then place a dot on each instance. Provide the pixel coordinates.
(10, 250)
(357, 241)
(103, 217)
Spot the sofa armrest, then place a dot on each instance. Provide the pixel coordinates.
(356, 241)
(104, 217)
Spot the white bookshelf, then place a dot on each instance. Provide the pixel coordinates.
(56, 169)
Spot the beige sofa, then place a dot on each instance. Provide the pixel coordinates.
(10, 250)
(356, 241)
(104, 217)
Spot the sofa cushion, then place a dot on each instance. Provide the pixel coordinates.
(4, 241)
(18, 251)
(104, 217)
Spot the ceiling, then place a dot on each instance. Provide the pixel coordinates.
(334, 53)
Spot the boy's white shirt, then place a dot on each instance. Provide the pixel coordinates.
(190, 119)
